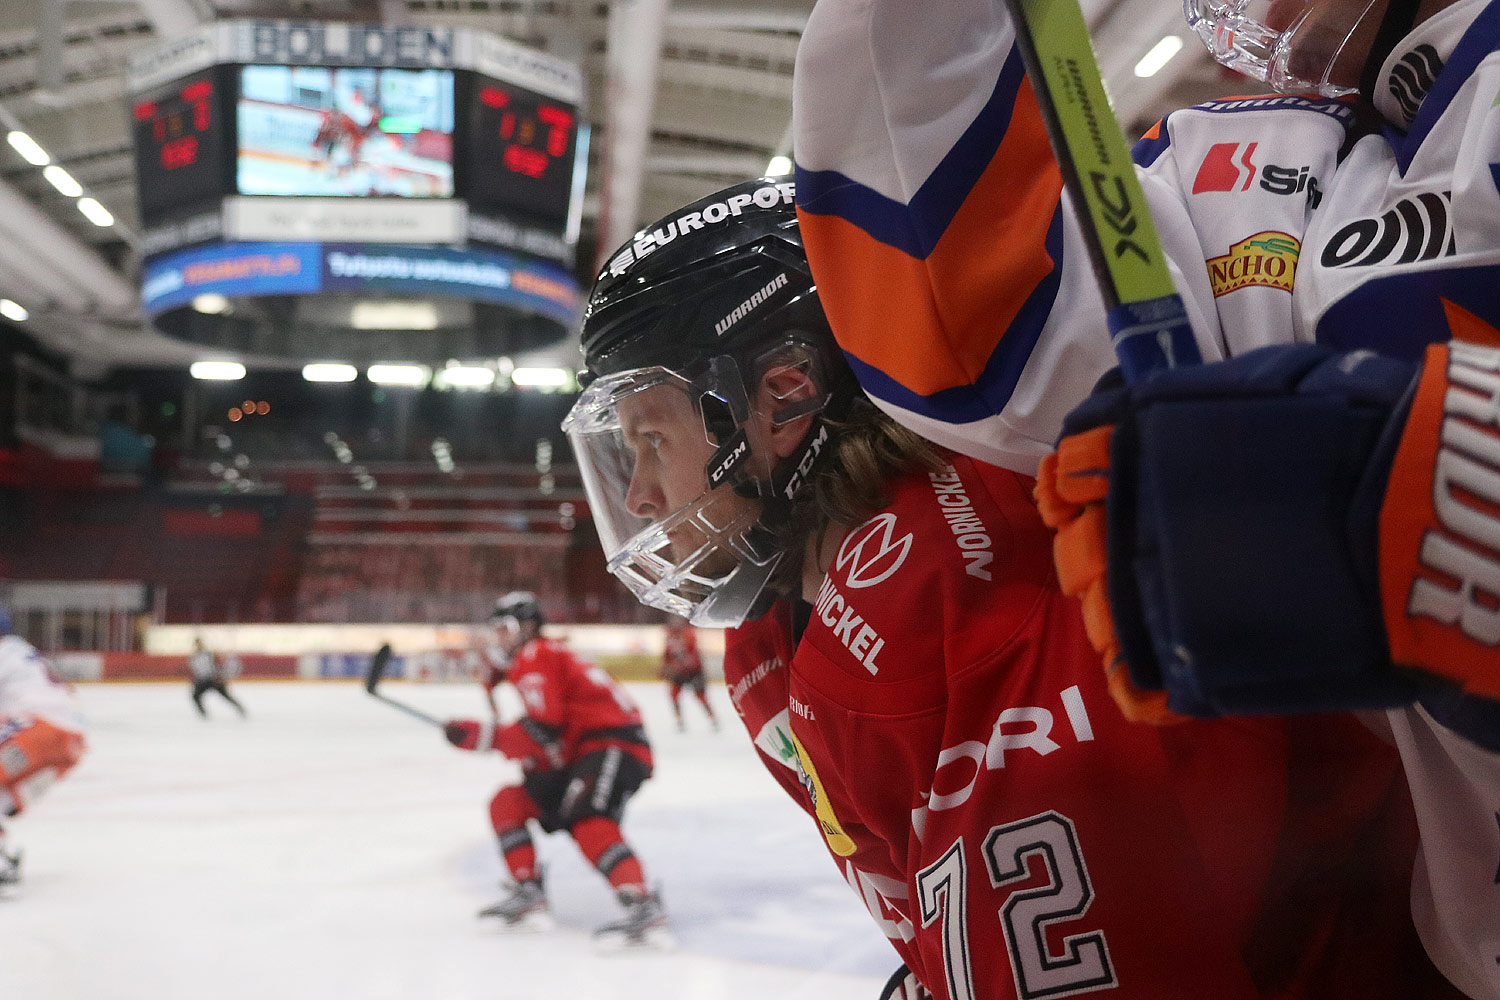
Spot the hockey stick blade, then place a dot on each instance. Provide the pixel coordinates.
(1148, 323)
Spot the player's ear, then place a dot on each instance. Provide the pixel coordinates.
(785, 397)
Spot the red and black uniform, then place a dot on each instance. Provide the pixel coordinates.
(943, 718)
(583, 751)
(682, 667)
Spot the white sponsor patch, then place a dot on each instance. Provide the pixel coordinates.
(968, 530)
(713, 214)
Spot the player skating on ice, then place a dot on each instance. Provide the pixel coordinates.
(209, 673)
(1286, 525)
(682, 667)
(902, 656)
(583, 753)
(41, 734)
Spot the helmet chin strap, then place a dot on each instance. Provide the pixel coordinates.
(1395, 24)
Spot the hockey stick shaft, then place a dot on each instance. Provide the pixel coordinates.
(1148, 323)
(373, 675)
(414, 713)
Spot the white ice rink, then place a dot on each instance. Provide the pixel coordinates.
(331, 847)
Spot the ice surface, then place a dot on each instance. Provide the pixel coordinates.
(332, 847)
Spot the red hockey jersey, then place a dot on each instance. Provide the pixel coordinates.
(571, 703)
(945, 720)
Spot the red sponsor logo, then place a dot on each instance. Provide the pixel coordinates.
(1225, 168)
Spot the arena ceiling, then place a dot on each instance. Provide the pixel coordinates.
(686, 97)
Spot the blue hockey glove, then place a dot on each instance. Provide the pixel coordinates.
(1268, 539)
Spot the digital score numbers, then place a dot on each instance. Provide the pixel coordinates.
(179, 146)
(521, 152)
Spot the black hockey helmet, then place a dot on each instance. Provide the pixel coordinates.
(718, 276)
(520, 606)
(709, 300)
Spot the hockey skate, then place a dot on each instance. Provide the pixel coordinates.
(643, 926)
(525, 909)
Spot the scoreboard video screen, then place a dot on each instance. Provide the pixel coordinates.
(522, 150)
(345, 132)
(262, 130)
(179, 145)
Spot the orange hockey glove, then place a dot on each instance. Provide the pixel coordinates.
(1071, 489)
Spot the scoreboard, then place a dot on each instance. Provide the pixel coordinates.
(180, 146)
(295, 169)
(522, 152)
(268, 120)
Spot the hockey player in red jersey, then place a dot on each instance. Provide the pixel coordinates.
(682, 667)
(41, 733)
(583, 753)
(904, 660)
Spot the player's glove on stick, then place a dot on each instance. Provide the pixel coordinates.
(1291, 530)
(467, 734)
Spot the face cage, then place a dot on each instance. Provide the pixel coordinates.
(639, 552)
(647, 568)
(1237, 35)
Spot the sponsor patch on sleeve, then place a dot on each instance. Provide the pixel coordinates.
(1267, 260)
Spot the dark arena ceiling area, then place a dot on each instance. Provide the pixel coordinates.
(677, 100)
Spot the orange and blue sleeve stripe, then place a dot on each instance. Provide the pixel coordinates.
(938, 301)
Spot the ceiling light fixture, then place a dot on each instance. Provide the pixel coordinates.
(329, 371)
(28, 148)
(410, 376)
(217, 371)
(1161, 53)
(95, 212)
(540, 376)
(464, 377)
(63, 181)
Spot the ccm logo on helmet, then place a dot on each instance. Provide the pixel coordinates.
(712, 214)
(804, 465)
(738, 449)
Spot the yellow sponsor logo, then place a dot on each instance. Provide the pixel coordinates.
(839, 842)
(1265, 259)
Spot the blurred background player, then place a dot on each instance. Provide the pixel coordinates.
(902, 655)
(583, 752)
(209, 674)
(682, 667)
(41, 733)
(335, 140)
(494, 665)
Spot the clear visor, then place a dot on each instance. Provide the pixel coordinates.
(677, 545)
(1293, 45)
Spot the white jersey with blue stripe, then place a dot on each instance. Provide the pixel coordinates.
(955, 276)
